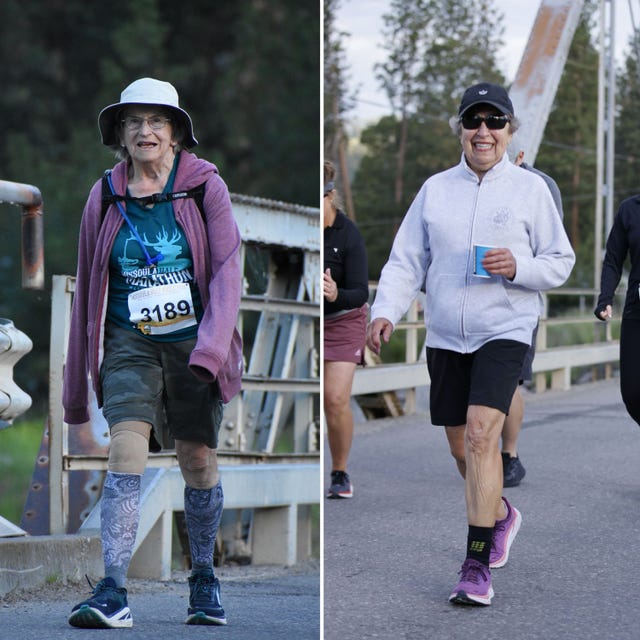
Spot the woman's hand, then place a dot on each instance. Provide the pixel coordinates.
(377, 331)
(329, 286)
(605, 314)
(500, 262)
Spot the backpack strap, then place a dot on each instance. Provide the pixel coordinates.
(109, 198)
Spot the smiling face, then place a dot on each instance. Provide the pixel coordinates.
(483, 147)
(144, 143)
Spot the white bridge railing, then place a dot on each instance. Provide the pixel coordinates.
(278, 405)
(552, 366)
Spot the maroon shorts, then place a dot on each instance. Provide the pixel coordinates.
(344, 336)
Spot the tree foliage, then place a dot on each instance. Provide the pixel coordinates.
(627, 137)
(337, 99)
(247, 72)
(568, 148)
(452, 44)
(436, 48)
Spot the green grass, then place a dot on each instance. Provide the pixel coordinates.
(19, 446)
(580, 333)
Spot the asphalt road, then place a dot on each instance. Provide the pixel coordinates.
(392, 553)
(266, 603)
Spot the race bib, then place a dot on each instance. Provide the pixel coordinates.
(162, 309)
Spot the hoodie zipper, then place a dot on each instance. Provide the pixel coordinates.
(469, 258)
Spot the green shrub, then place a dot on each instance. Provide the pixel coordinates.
(19, 446)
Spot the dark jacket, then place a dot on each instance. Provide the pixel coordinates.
(346, 256)
(623, 240)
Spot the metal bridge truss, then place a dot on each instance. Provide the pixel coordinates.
(269, 439)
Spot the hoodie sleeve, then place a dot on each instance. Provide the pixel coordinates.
(616, 252)
(224, 287)
(553, 257)
(76, 371)
(405, 272)
(356, 285)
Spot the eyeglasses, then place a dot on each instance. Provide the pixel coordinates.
(133, 123)
(493, 122)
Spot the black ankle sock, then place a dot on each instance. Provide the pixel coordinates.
(479, 543)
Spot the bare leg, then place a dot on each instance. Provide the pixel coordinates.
(483, 480)
(338, 379)
(456, 437)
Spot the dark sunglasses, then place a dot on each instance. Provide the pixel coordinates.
(493, 122)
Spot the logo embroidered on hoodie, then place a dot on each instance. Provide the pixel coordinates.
(502, 218)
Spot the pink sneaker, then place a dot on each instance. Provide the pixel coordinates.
(475, 584)
(504, 533)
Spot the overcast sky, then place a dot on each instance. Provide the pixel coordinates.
(362, 20)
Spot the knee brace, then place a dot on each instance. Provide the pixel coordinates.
(198, 464)
(129, 447)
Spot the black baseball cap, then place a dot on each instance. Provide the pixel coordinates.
(486, 93)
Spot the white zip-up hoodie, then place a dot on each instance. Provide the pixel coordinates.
(433, 250)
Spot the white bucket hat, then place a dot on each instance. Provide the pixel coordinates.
(145, 91)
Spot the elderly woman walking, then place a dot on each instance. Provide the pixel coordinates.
(481, 308)
(153, 328)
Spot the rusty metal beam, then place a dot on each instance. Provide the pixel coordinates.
(538, 76)
(30, 199)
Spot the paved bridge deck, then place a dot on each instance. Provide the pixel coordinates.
(393, 552)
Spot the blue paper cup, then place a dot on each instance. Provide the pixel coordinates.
(478, 256)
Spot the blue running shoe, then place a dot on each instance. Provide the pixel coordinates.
(341, 486)
(107, 608)
(204, 599)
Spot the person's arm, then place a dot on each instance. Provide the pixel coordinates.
(616, 251)
(378, 331)
(355, 291)
(75, 393)
(405, 271)
(553, 257)
(221, 313)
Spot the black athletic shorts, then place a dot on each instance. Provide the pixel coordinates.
(527, 365)
(486, 377)
(150, 381)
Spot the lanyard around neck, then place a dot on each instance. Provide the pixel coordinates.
(151, 262)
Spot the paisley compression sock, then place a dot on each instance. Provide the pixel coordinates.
(119, 516)
(202, 511)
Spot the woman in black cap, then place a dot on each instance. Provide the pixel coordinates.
(480, 312)
(153, 327)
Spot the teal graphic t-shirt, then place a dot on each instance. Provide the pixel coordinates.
(160, 301)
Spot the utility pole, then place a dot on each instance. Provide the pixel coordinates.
(605, 145)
